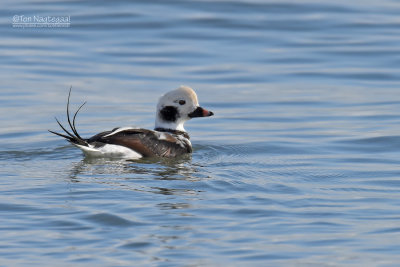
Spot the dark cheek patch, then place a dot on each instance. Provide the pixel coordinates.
(169, 113)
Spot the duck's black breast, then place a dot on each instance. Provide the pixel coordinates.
(148, 143)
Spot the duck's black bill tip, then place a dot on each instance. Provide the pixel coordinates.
(200, 112)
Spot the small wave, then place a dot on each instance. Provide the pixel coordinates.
(111, 220)
(370, 144)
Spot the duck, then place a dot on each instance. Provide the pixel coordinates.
(169, 138)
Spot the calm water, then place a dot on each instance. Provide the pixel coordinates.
(299, 167)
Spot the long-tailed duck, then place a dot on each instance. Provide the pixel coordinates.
(169, 138)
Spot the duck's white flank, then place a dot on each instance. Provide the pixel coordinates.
(109, 150)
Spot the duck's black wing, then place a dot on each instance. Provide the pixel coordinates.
(148, 143)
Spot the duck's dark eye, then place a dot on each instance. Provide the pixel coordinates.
(182, 102)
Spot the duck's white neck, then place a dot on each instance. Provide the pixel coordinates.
(178, 125)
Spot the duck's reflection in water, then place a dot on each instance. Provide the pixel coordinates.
(148, 171)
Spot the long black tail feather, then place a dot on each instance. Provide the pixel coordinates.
(73, 137)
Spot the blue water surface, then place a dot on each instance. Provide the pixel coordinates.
(300, 166)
